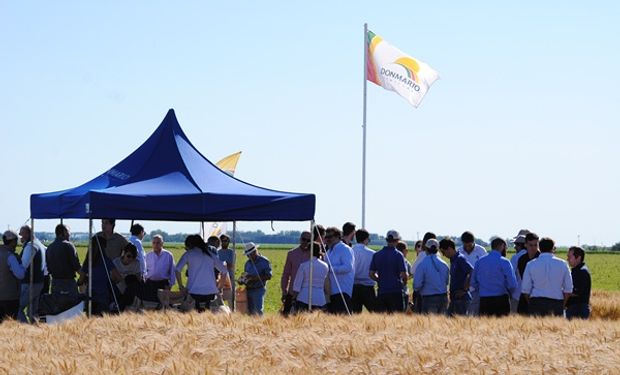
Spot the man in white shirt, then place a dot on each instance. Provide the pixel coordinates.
(363, 286)
(472, 252)
(547, 282)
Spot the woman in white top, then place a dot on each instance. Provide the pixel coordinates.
(301, 285)
(201, 280)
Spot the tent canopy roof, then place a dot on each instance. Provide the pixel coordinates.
(167, 178)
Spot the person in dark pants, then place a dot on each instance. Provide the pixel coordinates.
(294, 258)
(63, 263)
(547, 282)
(495, 280)
(531, 245)
(388, 269)
(578, 304)
(430, 281)
(363, 286)
(11, 272)
(460, 274)
(340, 260)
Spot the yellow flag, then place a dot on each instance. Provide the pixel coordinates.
(229, 163)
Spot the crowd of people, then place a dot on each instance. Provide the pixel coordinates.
(349, 277)
(326, 272)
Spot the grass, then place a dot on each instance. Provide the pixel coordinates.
(603, 267)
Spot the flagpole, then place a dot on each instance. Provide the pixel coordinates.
(364, 130)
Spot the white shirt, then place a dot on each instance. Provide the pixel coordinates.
(547, 276)
(200, 275)
(515, 262)
(301, 284)
(141, 254)
(477, 253)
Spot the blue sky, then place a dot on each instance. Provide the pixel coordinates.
(519, 132)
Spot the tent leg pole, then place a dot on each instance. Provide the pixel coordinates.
(90, 268)
(234, 246)
(311, 264)
(30, 316)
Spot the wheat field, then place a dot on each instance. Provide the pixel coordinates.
(175, 343)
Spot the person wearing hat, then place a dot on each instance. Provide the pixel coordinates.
(520, 250)
(258, 272)
(388, 269)
(11, 272)
(430, 281)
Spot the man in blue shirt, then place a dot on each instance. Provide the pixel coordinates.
(363, 286)
(258, 271)
(388, 269)
(460, 273)
(494, 279)
(430, 280)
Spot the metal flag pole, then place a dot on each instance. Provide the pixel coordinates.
(364, 130)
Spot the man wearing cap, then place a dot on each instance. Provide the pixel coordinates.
(430, 281)
(472, 252)
(294, 258)
(494, 279)
(363, 285)
(227, 255)
(30, 255)
(11, 272)
(547, 282)
(460, 274)
(341, 271)
(257, 272)
(62, 263)
(520, 250)
(388, 269)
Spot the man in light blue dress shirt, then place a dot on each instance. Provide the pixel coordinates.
(494, 279)
(341, 273)
(430, 280)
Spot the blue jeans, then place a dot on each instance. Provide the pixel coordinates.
(580, 310)
(256, 299)
(33, 307)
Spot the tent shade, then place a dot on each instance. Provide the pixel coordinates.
(167, 178)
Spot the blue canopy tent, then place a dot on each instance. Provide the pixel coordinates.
(167, 178)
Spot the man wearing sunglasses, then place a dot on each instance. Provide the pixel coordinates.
(131, 275)
(341, 272)
(294, 258)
